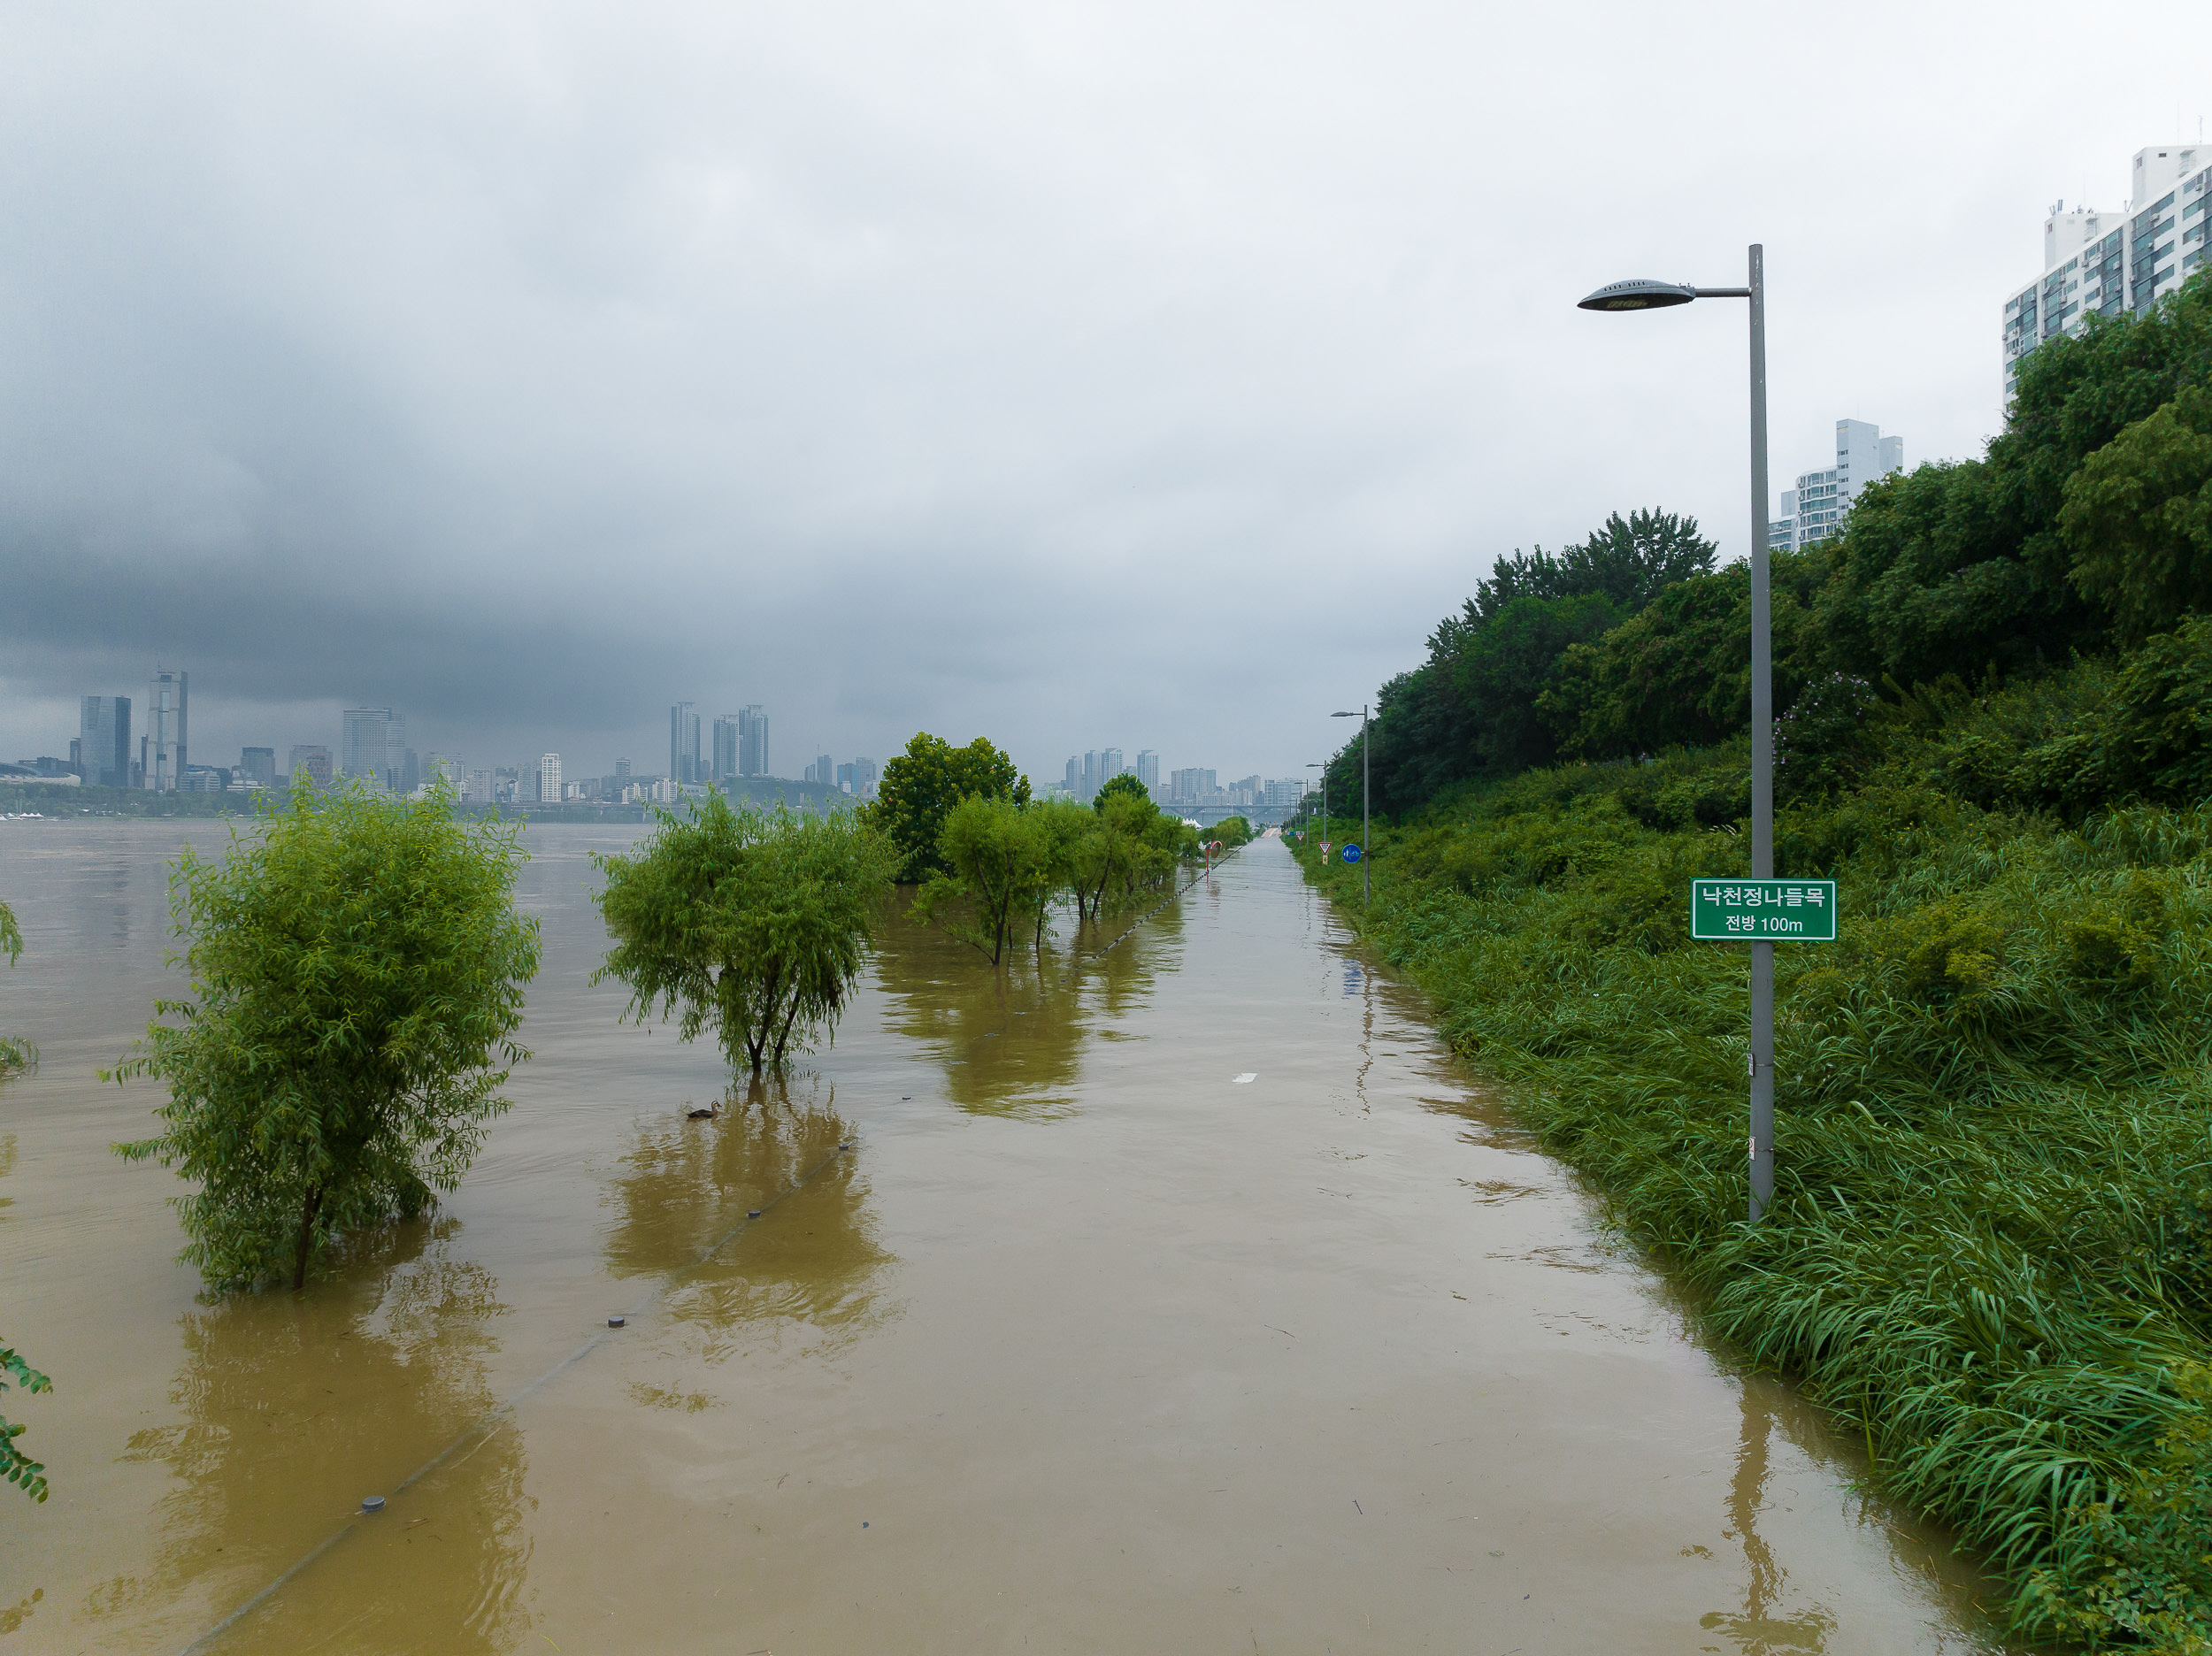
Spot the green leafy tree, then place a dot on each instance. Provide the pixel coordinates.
(1232, 832)
(357, 972)
(2137, 518)
(1121, 852)
(1122, 786)
(1002, 864)
(754, 923)
(1965, 565)
(921, 786)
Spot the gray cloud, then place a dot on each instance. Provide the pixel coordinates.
(1074, 375)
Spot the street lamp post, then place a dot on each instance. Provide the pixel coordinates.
(1323, 770)
(1654, 295)
(1366, 836)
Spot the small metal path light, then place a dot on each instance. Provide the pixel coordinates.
(1366, 834)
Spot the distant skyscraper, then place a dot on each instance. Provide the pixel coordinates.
(1109, 765)
(728, 733)
(683, 743)
(1092, 780)
(550, 776)
(752, 742)
(104, 734)
(371, 745)
(257, 764)
(1147, 767)
(1075, 775)
(314, 761)
(165, 732)
(826, 770)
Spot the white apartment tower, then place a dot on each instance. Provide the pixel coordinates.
(1814, 511)
(2107, 263)
(549, 778)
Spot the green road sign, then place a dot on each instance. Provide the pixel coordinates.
(1779, 911)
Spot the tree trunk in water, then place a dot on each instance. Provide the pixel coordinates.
(784, 1035)
(308, 1211)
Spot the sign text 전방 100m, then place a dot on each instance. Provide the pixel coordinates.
(1771, 910)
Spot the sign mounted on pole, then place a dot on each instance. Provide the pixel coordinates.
(1351, 854)
(1769, 911)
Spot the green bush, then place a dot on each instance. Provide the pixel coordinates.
(357, 970)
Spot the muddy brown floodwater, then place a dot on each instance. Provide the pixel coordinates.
(1180, 1298)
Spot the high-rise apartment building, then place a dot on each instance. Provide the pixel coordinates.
(1109, 765)
(257, 764)
(683, 744)
(728, 740)
(2106, 263)
(165, 738)
(1147, 767)
(313, 760)
(1814, 511)
(826, 770)
(371, 745)
(752, 742)
(1190, 788)
(549, 778)
(105, 739)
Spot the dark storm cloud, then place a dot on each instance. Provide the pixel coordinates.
(1072, 375)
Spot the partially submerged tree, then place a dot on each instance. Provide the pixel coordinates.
(17, 1468)
(750, 922)
(921, 786)
(15, 1054)
(1004, 865)
(357, 970)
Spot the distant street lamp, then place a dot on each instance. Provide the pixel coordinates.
(1366, 847)
(1323, 770)
(1654, 295)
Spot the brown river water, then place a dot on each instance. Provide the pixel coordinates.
(1180, 1297)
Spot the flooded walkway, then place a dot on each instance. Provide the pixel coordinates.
(1182, 1297)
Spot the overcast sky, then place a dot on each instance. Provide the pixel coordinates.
(1131, 374)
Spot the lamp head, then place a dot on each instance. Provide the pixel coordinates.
(1343, 715)
(1639, 293)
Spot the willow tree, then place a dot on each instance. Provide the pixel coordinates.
(1002, 864)
(753, 923)
(357, 970)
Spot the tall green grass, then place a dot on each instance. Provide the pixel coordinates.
(1988, 1253)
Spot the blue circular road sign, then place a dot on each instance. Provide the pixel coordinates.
(1351, 854)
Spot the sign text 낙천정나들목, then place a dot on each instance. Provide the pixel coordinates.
(1781, 911)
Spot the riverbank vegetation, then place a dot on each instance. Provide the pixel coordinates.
(753, 923)
(356, 976)
(1990, 1251)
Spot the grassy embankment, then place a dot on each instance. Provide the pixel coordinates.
(1988, 1253)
